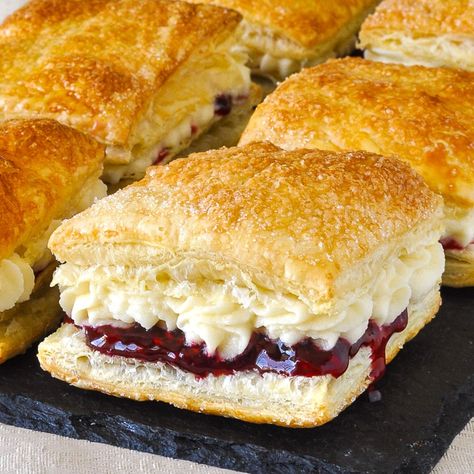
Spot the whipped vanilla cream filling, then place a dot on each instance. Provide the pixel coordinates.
(224, 314)
(430, 51)
(17, 272)
(175, 141)
(459, 225)
(279, 67)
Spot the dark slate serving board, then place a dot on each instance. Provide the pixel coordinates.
(428, 397)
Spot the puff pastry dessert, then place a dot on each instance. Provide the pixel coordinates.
(282, 36)
(47, 172)
(426, 32)
(144, 78)
(423, 115)
(252, 282)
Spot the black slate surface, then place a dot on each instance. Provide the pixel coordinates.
(428, 397)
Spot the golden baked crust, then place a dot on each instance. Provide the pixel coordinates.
(95, 65)
(43, 165)
(420, 18)
(423, 115)
(299, 218)
(306, 22)
(306, 402)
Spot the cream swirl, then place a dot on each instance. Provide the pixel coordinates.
(224, 314)
(17, 281)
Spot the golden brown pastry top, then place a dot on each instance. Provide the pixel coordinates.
(421, 18)
(300, 217)
(423, 115)
(96, 64)
(43, 165)
(306, 22)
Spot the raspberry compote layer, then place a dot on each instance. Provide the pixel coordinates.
(262, 354)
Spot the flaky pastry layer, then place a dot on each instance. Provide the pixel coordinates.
(17, 272)
(287, 221)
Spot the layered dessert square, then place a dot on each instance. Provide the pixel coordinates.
(143, 78)
(252, 282)
(48, 172)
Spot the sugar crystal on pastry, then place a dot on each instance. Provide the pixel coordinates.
(244, 267)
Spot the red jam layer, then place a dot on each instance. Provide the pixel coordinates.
(452, 244)
(262, 354)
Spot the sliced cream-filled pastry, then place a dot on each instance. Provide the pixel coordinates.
(423, 115)
(48, 172)
(252, 282)
(427, 32)
(282, 36)
(144, 78)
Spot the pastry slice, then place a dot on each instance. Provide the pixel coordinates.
(48, 172)
(252, 282)
(423, 115)
(427, 32)
(282, 36)
(145, 78)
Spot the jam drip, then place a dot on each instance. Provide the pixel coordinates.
(262, 354)
(223, 105)
(162, 155)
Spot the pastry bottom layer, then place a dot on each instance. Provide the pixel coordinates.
(31, 320)
(459, 271)
(293, 401)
